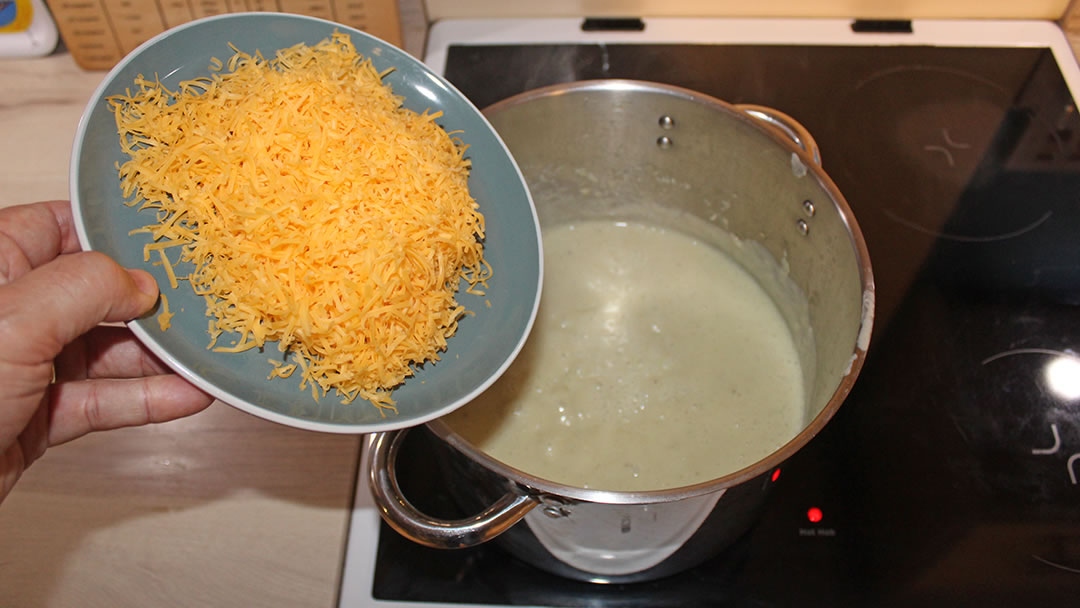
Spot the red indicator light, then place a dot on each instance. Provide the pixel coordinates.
(776, 474)
(814, 515)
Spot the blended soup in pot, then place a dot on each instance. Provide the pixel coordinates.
(656, 362)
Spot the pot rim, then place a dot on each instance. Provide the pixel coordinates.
(531, 484)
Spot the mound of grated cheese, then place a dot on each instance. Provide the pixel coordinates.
(317, 212)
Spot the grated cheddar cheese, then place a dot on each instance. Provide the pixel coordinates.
(164, 318)
(317, 212)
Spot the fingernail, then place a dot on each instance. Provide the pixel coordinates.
(144, 281)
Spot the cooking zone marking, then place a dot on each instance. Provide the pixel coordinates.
(1061, 378)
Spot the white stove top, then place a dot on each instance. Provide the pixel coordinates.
(945, 33)
(360, 559)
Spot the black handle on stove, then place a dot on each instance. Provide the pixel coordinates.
(407, 520)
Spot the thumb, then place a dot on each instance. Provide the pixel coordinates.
(50, 306)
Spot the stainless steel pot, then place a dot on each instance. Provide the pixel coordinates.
(637, 150)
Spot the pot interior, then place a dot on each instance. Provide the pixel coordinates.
(663, 156)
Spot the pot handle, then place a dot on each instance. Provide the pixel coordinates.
(787, 125)
(408, 521)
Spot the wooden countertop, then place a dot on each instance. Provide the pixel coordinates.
(218, 509)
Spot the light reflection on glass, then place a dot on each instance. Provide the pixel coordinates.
(1062, 375)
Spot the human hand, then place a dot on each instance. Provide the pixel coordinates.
(52, 299)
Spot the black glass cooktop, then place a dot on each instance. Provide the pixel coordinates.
(950, 476)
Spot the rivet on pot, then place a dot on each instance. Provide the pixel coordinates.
(804, 228)
(664, 142)
(554, 507)
(667, 122)
(808, 207)
(555, 512)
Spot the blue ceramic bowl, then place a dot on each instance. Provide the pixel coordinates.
(485, 343)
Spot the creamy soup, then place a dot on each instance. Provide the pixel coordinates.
(656, 362)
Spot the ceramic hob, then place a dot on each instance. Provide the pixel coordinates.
(951, 475)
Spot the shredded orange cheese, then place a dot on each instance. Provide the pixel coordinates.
(317, 212)
(164, 318)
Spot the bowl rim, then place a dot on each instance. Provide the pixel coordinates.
(388, 423)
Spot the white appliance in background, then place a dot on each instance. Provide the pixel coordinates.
(26, 29)
(360, 557)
